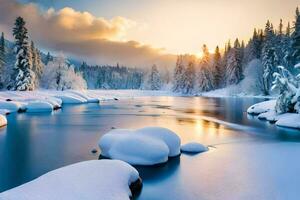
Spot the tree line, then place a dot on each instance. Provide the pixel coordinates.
(270, 46)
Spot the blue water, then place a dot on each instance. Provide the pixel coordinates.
(33, 144)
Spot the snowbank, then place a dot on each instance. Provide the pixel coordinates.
(3, 121)
(266, 111)
(262, 107)
(90, 180)
(291, 120)
(193, 147)
(147, 146)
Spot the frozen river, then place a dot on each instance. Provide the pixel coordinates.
(248, 158)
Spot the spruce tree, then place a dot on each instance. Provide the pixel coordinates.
(24, 76)
(234, 70)
(296, 38)
(154, 79)
(178, 74)
(218, 70)
(269, 57)
(189, 79)
(2, 59)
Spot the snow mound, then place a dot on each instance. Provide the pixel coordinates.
(3, 121)
(12, 106)
(39, 106)
(147, 146)
(291, 120)
(92, 180)
(193, 147)
(166, 135)
(262, 107)
(71, 99)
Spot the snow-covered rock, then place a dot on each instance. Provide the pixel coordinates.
(84, 96)
(4, 112)
(262, 107)
(193, 147)
(71, 99)
(147, 146)
(90, 180)
(39, 106)
(168, 136)
(12, 106)
(3, 120)
(270, 115)
(139, 150)
(291, 120)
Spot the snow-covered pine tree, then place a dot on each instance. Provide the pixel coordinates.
(178, 74)
(289, 92)
(234, 68)
(218, 69)
(205, 77)
(296, 38)
(2, 60)
(189, 79)
(154, 81)
(269, 57)
(25, 77)
(37, 64)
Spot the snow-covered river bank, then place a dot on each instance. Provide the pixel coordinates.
(249, 158)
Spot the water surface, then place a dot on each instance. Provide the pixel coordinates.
(248, 158)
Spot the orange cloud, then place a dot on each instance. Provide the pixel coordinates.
(83, 35)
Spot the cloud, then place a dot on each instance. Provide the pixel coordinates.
(80, 34)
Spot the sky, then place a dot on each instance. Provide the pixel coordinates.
(144, 30)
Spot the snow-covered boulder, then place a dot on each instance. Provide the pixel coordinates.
(290, 120)
(39, 106)
(90, 180)
(262, 107)
(139, 150)
(12, 106)
(71, 99)
(3, 121)
(168, 136)
(147, 146)
(194, 147)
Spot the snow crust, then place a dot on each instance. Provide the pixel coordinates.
(3, 121)
(90, 180)
(146, 146)
(194, 147)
